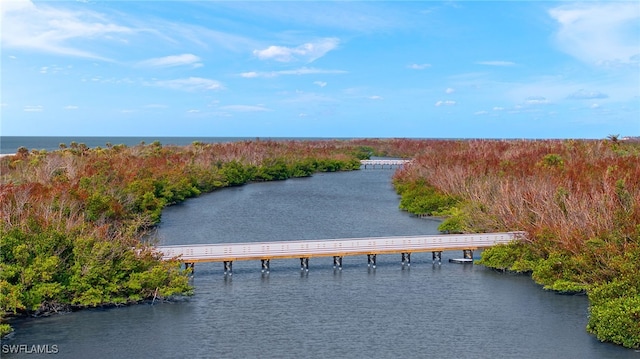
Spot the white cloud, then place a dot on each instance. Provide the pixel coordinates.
(587, 95)
(595, 105)
(376, 97)
(445, 103)
(320, 83)
(419, 66)
(536, 100)
(171, 61)
(300, 71)
(33, 108)
(498, 108)
(481, 113)
(449, 90)
(71, 107)
(49, 29)
(245, 108)
(496, 63)
(249, 75)
(193, 111)
(308, 52)
(53, 69)
(599, 33)
(190, 84)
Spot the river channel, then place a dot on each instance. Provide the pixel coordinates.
(421, 311)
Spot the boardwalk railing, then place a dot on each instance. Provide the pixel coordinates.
(382, 163)
(337, 248)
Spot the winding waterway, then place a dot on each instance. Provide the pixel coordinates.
(448, 310)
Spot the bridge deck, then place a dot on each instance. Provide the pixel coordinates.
(229, 252)
(382, 163)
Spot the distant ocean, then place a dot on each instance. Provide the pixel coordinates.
(10, 144)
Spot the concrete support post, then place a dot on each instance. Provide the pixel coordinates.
(337, 262)
(406, 259)
(188, 265)
(371, 260)
(265, 265)
(228, 267)
(436, 256)
(304, 264)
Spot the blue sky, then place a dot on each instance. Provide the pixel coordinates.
(470, 69)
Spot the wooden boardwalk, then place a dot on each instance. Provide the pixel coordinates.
(336, 248)
(383, 163)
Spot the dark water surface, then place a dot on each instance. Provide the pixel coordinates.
(452, 310)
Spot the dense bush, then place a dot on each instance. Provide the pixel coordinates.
(71, 221)
(579, 202)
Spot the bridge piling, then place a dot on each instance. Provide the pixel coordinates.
(304, 264)
(371, 260)
(188, 265)
(406, 259)
(337, 262)
(436, 256)
(228, 268)
(265, 265)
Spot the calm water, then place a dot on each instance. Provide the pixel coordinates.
(452, 310)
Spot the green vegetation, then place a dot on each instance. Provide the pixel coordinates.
(579, 202)
(72, 220)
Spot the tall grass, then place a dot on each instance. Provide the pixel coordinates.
(579, 202)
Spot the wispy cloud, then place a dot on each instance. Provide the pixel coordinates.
(479, 113)
(171, 61)
(189, 84)
(445, 103)
(308, 52)
(449, 90)
(33, 108)
(496, 63)
(599, 33)
(250, 74)
(300, 71)
(71, 107)
(320, 83)
(376, 97)
(245, 108)
(536, 100)
(419, 66)
(587, 95)
(55, 30)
